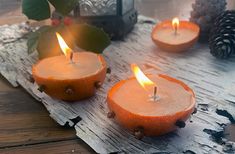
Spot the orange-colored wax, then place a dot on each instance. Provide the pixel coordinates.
(165, 37)
(83, 64)
(134, 108)
(57, 74)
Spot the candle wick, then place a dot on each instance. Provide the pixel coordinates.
(155, 93)
(176, 29)
(155, 96)
(71, 57)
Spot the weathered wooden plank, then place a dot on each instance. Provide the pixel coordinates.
(26, 128)
(5, 85)
(58, 147)
(24, 121)
(212, 80)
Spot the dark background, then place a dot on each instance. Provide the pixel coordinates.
(10, 11)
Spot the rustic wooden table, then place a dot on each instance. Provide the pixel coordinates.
(25, 126)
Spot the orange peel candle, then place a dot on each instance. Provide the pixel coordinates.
(70, 77)
(175, 35)
(131, 104)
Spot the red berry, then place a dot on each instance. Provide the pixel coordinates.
(55, 22)
(68, 21)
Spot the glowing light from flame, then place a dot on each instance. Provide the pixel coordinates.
(176, 22)
(143, 80)
(64, 47)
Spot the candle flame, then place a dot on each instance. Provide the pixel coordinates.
(176, 23)
(143, 80)
(64, 47)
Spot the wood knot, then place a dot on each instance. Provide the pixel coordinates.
(41, 88)
(180, 124)
(108, 71)
(69, 91)
(98, 84)
(139, 133)
(195, 111)
(111, 115)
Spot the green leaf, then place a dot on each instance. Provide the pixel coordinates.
(43, 29)
(48, 45)
(64, 6)
(32, 43)
(86, 37)
(33, 38)
(89, 37)
(36, 9)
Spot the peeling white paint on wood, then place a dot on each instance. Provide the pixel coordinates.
(213, 81)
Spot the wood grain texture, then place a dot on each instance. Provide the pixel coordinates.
(59, 147)
(212, 80)
(5, 85)
(23, 121)
(26, 128)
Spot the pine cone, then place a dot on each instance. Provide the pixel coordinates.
(226, 20)
(222, 37)
(204, 14)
